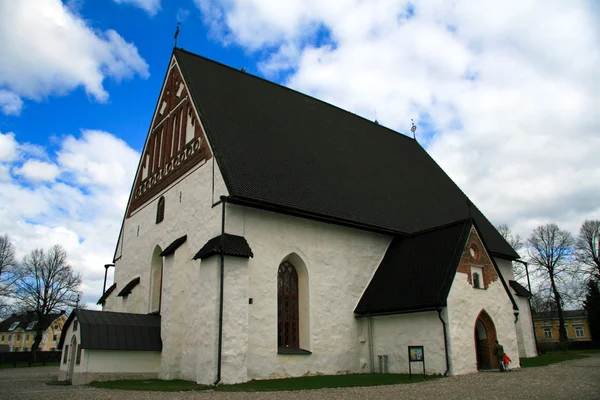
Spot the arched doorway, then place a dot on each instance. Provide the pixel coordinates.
(71, 360)
(485, 339)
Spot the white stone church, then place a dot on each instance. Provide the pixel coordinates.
(269, 234)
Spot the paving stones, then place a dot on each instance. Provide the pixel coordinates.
(576, 379)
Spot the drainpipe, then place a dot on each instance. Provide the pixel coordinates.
(439, 310)
(106, 267)
(221, 282)
(370, 334)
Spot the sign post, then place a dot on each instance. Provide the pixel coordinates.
(415, 354)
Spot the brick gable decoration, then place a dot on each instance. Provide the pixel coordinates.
(474, 254)
(175, 144)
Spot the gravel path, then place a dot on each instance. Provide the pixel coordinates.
(577, 379)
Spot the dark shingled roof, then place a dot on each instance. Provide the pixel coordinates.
(416, 272)
(103, 298)
(173, 246)
(234, 245)
(519, 289)
(103, 330)
(127, 289)
(25, 319)
(284, 150)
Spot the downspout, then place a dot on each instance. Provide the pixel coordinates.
(221, 283)
(439, 310)
(370, 333)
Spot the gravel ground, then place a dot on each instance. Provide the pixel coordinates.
(577, 379)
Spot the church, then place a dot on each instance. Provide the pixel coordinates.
(269, 234)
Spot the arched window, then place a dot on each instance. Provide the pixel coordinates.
(160, 210)
(287, 307)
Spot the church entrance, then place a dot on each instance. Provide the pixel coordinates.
(485, 339)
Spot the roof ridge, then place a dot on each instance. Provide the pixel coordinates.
(292, 90)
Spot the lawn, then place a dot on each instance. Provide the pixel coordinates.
(304, 383)
(154, 385)
(553, 357)
(7, 365)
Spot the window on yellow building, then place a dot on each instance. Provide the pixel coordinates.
(54, 338)
(548, 333)
(28, 337)
(579, 331)
(3, 338)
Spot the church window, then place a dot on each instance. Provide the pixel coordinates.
(160, 210)
(477, 277)
(287, 307)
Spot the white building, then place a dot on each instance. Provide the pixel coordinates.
(273, 235)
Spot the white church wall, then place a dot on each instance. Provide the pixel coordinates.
(463, 307)
(105, 365)
(393, 334)
(188, 211)
(340, 262)
(235, 320)
(524, 326)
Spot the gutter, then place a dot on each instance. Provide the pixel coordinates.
(221, 284)
(370, 333)
(439, 310)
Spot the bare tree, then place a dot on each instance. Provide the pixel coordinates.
(550, 251)
(47, 283)
(587, 246)
(516, 242)
(8, 272)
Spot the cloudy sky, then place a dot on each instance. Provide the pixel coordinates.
(505, 96)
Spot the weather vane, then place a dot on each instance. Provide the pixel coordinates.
(176, 33)
(413, 129)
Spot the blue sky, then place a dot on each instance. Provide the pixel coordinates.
(505, 96)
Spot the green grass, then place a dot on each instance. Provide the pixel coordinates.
(553, 357)
(154, 385)
(323, 381)
(304, 383)
(7, 365)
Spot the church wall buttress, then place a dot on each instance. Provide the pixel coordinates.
(176, 144)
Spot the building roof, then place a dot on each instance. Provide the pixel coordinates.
(519, 289)
(170, 249)
(554, 314)
(129, 287)
(286, 151)
(233, 245)
(104, 330)
(103, 298)
(25, 320)
(416, 272)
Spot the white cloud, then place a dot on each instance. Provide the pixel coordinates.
(10, 103)
(35, 170)
(82, 211)
(505, 94)
(150, 6)
(72, 53)
(8, 147)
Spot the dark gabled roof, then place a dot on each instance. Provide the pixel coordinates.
(519, 289)
(287, 151)
(25, 319)
(416, 272)
(103, 298)
(566, 314)
(173, 246)
(233, 245)
(103, 330)
(127, 289)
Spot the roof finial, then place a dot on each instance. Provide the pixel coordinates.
(176, 33)
(413, 129)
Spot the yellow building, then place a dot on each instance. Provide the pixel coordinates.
(576, 323)
(18, 331)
